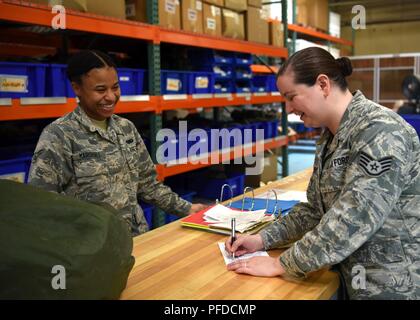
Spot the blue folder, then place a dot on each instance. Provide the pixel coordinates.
(259, 204)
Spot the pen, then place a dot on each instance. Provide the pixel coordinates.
(233, 234)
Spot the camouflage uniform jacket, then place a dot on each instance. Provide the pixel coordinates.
(76, 158)
(363, 207)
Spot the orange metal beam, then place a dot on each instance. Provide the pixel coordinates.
(257, 68)
(206, 41)
(317, 34)
(24, 12)
(164, 171)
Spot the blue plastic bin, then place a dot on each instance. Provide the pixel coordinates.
(186, 195)
(131, 81)
(243, 87)
(414, 120)
(272, 86)
(201, 82)
(270, 128)
(22, 80)
(243, 59)
(174, 82)
(211, 188)
(16, 169)
(57, 83)
(224, 86)
(148, 211)
(225, 73)
(260, 83)
(210, 57)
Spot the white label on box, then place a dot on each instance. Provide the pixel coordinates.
(199, 5)
(170, 6)
(124, 79)
(13, 83)
(202, 82)
(173, 84)
(215, 11)
(192, 15)
(211, 23)
(130, 10)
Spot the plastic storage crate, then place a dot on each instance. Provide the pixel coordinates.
(211, 188)
(201, 82)
(210, 57)
(186, 195)
(16, 169)
(243, 59)
(270, 128)
(131, 81)
(57, 84)
(272, 86)
(260, 83)
(22, 80)
(224, 86)
(148, 211)
(174, 82)
(414, 120)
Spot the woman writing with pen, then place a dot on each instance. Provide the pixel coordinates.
(362, 212)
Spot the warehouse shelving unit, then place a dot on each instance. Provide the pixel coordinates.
(154, 104)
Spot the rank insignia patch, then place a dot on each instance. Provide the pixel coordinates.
(374, 167)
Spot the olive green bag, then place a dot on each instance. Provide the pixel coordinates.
(56, 247)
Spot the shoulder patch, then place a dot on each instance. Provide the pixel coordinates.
(374, 167)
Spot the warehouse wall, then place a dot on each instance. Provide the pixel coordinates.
(386, 38)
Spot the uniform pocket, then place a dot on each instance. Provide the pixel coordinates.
(380, 253)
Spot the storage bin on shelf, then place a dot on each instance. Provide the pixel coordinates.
(414, 120)
(210, 188)
(270, 128)
(272, 86)
(57, 83)
(227, 137)
(206, 57)
(174, 82)
(131, 81)
(16, 169)
(201, 82)
(186, 195)
(243, 59)
(260, 83)
(226, 86)
(22, 80)
(148, 211)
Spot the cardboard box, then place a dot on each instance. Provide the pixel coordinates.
(257, 25)
(233, 24)
(313, 13)
(255, 3)
(79, 5)
(270, 168)
(192, 15)
(218, 3)
(212, 20)
(170, 14)
(276, 33)
(275, 11)
(110, 8)
(136, 10)
(236, 5)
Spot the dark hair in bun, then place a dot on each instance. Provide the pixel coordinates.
(309, 63)
(344, 64)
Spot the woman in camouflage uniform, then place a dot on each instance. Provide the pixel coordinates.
(362, 215)
(94, 155)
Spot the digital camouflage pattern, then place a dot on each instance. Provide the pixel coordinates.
(76, 158)
(363, 206)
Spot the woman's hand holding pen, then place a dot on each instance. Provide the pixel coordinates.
(244, 244)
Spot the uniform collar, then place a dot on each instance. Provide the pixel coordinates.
(84, 119)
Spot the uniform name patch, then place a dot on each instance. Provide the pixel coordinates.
(374, 167)
(340, 161)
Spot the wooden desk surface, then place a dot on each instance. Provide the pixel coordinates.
(174, 262)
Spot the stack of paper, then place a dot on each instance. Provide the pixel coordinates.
(220, 217)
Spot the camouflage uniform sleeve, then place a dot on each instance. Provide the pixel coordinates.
(367, 197)
(155, 192)
(302, 218)
(51, 163)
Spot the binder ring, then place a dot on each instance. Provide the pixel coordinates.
(221, 194)
(243, 198)
(275, 205)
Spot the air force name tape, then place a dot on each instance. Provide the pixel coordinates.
(374, 167)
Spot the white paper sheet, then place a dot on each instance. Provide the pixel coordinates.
(229, 259)
(284, 195)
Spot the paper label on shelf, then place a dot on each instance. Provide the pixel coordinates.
(130, 10)
(173, 84)
(211, 23)
(170, 6)
(13, 83)
(124, 79)
(192, 15)
(202, 82)
(199, 5)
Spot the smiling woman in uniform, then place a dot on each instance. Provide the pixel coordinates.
(94, 155)
(362, 215)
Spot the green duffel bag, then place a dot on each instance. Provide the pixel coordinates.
(56, 247)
